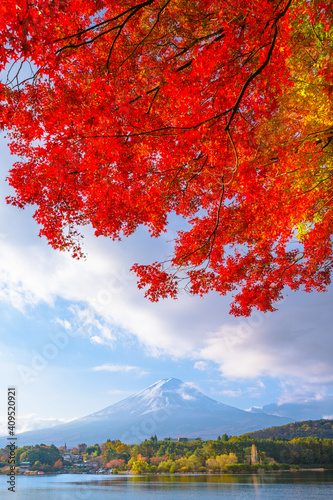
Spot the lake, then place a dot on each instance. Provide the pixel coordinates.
(287, 486)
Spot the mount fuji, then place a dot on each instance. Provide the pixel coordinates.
(167, 408)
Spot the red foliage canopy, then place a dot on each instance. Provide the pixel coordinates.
(135, 110)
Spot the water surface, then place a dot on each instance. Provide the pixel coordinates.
(275, 486)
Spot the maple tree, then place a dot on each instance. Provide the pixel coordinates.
(216, 111)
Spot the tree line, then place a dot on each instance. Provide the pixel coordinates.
(233, 454)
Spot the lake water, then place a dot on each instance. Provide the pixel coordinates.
(276, 486)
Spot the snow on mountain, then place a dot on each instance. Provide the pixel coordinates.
(168, 408)
(169, 393)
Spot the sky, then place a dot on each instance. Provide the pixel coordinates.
(77, 336)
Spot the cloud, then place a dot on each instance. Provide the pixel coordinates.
(115, 368)
(64, 323)
(296, 390)
(32, 422)
(231, 394)
(97, 340)
(121, 369)
(201, 365)
(87, 324)
(190, 385)
(293, 344)
(255, 409)
(301, 409)
(186, 396)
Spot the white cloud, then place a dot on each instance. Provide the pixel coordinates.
(254, 408)
(294, 343)
(97, 340)
(191, 385)
(186, 396)
(303, 406)
(64, 323)
(296, 390)
(201, 365)
(231, 394)
(31, 422)
(139, 372)
(87, 324)
(115, 368)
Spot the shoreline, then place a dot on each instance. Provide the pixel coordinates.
(129, 474)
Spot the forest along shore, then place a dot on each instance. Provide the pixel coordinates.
(242, 454)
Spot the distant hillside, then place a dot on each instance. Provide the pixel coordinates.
(308, 428)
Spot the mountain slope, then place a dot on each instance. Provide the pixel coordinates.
(309, 428)
(167, 408)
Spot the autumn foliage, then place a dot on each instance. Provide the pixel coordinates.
(216, 111)
(116, 464)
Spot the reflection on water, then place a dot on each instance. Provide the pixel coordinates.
(275, 486)
(197, 480)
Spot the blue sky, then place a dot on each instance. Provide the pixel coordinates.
(77, 336)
